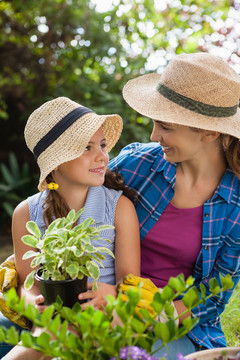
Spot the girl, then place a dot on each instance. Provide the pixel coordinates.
(71, 144)
(188, 183)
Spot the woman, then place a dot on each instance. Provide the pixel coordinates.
(188, 182)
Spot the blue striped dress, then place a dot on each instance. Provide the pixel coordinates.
(101, 205)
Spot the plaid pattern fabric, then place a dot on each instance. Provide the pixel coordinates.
(145, 169)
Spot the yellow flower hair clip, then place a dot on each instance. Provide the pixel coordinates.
(53, 186)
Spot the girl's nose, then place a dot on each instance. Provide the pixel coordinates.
(101, 154)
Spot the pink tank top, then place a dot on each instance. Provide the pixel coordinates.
(172, 245)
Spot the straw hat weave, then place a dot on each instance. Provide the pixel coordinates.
(60, 129)
(198, 90)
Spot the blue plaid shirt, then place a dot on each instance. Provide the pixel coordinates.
(145, 169)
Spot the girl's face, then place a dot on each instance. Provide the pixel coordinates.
(88, 169)
(179, 143)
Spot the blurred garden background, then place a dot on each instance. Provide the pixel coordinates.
(87, 50)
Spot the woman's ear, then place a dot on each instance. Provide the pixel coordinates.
(209, 135)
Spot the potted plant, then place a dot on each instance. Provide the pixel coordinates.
(66, 257)
(96, 336)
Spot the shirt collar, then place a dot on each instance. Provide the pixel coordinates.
(168, 169)
(227, 185)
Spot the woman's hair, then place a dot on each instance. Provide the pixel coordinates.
(56, 207)
(231, 146)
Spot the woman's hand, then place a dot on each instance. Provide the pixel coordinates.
(39, 303)
(97, 298)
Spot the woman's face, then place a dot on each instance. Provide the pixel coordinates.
(179, 143)
(87, 170)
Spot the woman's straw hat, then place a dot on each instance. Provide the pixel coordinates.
(197, 90)
(60, 129)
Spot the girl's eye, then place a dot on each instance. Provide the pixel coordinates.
(103, 145)
(87, 148)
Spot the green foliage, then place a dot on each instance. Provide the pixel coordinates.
(230, 319)
(96, 335)
(16, 184)
(66, 251)
(63, 47)
(67, 48)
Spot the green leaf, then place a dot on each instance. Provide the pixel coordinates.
(30, 240)
(177, 283)
(93, 269)
(162, 332)
(138, 326)
(191, 298)
(13, 336)
(105, 250)
(55, 324)
(105, 227)
(27, 339)
(43, 340)
(39, 259)
(28, 283)
(33, 229)
(226, 282)
(203, 292)
(29, 254)
(72, 269)
(214, 286)
(89, 248)
(47, 314)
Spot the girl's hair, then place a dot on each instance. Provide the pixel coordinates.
(56, 207)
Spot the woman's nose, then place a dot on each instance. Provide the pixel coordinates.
(156, 134)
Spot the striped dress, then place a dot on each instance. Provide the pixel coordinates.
(100, 205)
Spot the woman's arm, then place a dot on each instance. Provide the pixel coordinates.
(19, 220)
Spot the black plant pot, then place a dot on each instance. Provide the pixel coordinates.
(68, 290)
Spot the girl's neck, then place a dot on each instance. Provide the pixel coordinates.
(74, 197)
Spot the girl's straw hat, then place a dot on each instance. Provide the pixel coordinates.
(60, 129)
(197, 90)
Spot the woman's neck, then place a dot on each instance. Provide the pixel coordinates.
(196, 181)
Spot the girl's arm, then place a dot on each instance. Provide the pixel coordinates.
(127, 242)
(19, 220)
(127, 253)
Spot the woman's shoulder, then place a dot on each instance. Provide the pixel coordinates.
(151, 147)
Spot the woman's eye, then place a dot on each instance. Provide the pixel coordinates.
(87, 148)
(164, 127)
(103, 145)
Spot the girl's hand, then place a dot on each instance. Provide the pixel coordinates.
(97, 298)
(39, 303)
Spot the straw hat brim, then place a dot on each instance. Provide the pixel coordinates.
(142, 96)
(55, 155)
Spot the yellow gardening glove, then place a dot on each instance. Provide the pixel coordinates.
(9, 279)
(148, 289)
